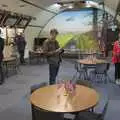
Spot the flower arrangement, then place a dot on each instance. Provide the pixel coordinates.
(68, 86)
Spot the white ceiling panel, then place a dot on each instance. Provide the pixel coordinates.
(112, 4)
(15, 6)
(27, 9)
(44, 3)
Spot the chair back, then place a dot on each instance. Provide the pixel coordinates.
(37, 86)
(84, 83)
(77, 66)
(101, 68)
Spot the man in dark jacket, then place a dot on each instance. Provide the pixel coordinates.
(21, 43)
(1, 58)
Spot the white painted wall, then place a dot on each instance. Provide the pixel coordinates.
(30, 34)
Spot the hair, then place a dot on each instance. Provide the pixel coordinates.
(53, 31)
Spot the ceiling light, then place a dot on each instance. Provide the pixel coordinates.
(88, 4)
(70, 6)
(57, 5)
(91, 4)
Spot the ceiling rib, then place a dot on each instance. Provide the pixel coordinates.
(37, 6)
(35, 26)
(117, 11)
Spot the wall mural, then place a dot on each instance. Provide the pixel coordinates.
(75, 29)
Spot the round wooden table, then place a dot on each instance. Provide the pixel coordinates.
(91, 62)
(9, 59)
(47, 98)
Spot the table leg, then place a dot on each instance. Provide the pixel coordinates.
(6, 69)
(86, 74)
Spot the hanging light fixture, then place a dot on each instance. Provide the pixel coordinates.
(77, 4)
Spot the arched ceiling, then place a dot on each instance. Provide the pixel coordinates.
(21, 6)
(44, 10)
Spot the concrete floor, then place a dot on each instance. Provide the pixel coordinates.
(14, 93)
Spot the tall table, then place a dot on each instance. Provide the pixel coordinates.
(90, 63)
(46, 98)
(36, 55)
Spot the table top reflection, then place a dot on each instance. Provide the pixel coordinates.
(91, 61)
(47, 98)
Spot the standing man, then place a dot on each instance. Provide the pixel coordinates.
(21, 43)
(53, 52)
(1, 58)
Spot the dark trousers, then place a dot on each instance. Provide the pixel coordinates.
(117, 70)
(1, 74)
(53, 71)
(21, 53)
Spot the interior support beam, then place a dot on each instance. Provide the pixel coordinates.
(117, 11)
(37, 6)
(48, 22)
(35, 26)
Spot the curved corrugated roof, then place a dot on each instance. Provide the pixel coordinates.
(44, 11)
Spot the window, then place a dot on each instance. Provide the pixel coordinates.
(23, 23)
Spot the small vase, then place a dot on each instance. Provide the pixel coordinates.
(65, 92)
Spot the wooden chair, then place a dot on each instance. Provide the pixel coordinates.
(80, 70)
(33, 58)
(11, 67)
(100, 72)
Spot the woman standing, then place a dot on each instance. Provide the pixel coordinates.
(116, 60)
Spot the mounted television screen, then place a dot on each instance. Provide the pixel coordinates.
(10, 21)
(23, 23)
